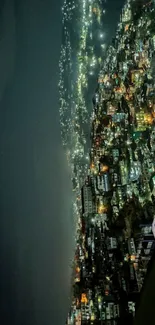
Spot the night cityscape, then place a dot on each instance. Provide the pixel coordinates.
(77, 162)
(107, 117)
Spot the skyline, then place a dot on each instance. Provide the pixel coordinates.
(115, 199)
(34, 179)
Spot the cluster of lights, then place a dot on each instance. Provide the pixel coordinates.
(123, 175)
(67, 11)
(75, 69)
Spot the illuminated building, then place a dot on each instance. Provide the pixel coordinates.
(115, 239)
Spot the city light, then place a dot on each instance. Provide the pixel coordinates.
(101, 35)
(110, 147)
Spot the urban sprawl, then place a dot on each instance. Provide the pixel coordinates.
(114, 176)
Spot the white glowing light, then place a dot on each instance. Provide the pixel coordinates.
(153, 227)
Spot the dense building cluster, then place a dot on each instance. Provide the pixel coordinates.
(114, 237)
(80, 60)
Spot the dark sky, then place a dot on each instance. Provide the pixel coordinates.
(36, 228)
(35, 222)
